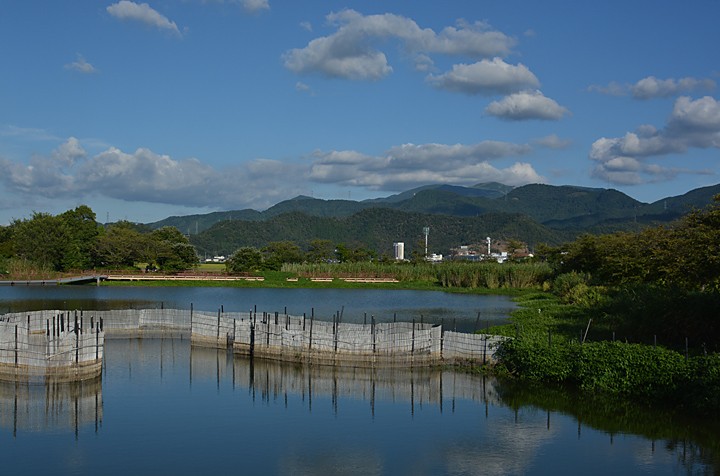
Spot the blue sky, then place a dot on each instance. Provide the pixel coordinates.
(175, 107)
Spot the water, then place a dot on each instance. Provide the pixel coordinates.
(163, 407)
(456, 311)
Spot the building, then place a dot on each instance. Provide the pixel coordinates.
(399, 251)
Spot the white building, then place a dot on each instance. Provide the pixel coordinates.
(399, 250)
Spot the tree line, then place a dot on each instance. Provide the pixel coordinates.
(73, 240)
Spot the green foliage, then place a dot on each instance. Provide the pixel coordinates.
(171, 250)
(43, 239)
(629, 369)
(245, 259)
(121, 245)
(278, 252)
(492, 275)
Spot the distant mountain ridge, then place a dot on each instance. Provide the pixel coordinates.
(561, 212)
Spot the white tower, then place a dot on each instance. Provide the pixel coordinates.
(426, 231)
(399, 249)
(488, 243)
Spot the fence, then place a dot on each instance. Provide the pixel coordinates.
(301, 339)
(50, 345)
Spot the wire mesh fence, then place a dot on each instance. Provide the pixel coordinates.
(54, 339)
(50, 345)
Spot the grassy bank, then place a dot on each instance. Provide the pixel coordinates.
(556, 342)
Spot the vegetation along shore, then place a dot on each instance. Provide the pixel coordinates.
(630, 314)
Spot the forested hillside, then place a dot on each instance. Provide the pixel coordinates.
(376, 229)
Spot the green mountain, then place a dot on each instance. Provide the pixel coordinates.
(374, 228)
(457, 215)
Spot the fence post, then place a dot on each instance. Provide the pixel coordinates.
(337, 328)
(217, 337)
(372, 329)
(412, 349)
(312, 319)
(252, 339)
(16, 346)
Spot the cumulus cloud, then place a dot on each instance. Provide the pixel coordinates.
(487, 77)
(254, 6)
(81, 66)
(351, 51)
(627, 160)
(526, 105)
(412, 165)
(146, 176)
(143, 13)
(652, 87)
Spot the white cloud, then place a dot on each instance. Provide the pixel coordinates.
(254, 6)
(143, 13)
(626, 160)
(69, 172)
(553, 142)
(486, 77)
(652, 87)
(81, 66)
(351, 51)
(306, 25)
(410, 165)
(526, 105)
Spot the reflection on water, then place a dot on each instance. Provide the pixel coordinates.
(169, 408)
(461, 312)
(50, 406)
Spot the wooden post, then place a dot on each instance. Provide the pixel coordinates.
(191, 318)
(485, 337)
(97, 344)
(412, 349)
(77, 344)
(48, 327)
(252, 339)
(16, 346)
(337, 328)
(303, 322)
(312, 318)
(218, 327)
(372, 329)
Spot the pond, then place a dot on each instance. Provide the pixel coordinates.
(461, 312)
(164, 407)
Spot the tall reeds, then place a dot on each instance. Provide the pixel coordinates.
(451, 275)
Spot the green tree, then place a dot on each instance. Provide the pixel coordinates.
(320, 251)
(121, 245)
(82, 232)
(278, 252)
(42, 239)
(244, 259)
(171, 250)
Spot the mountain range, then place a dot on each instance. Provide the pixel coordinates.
(456, 216)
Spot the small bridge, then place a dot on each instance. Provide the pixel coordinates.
(54, 282)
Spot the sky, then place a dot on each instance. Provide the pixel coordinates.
(175, 107)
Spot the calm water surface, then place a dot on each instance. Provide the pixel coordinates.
(164, 407)
(456, 311)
